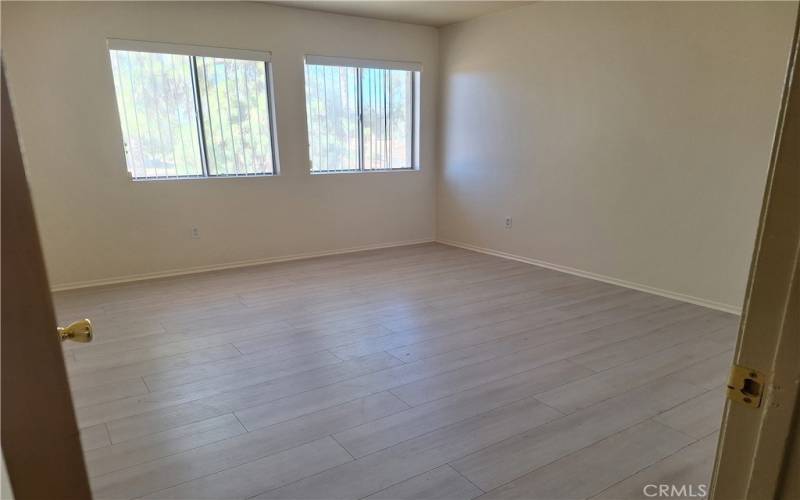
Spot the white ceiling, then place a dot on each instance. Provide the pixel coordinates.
(432, 13)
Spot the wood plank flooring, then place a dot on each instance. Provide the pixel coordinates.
(423, 371)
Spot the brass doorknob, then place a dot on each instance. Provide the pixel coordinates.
(79, 331)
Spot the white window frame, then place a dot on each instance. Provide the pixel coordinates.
(204, 51)
(416, 98)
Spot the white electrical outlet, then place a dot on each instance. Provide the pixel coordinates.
(508, 222)
(195, 232)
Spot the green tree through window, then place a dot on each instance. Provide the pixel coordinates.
(193, 116)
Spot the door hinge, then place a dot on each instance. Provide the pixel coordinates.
(746, 386)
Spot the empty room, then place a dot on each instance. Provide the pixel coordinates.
(400, 250)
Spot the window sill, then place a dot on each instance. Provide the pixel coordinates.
(198, 177)
(382, 171)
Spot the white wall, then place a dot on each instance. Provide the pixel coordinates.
(96, 224)
(630, 140)
(5, 483)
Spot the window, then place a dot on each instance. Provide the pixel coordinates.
(362, 114)
(189, 111)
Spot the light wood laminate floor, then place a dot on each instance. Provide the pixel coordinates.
(423, 371)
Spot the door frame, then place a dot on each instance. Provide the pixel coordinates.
(755, 443)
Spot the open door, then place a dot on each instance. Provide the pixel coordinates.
(40, 438)
(757, 457)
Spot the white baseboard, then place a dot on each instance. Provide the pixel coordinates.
(309, 255)
(230, 265)
(720, 306)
